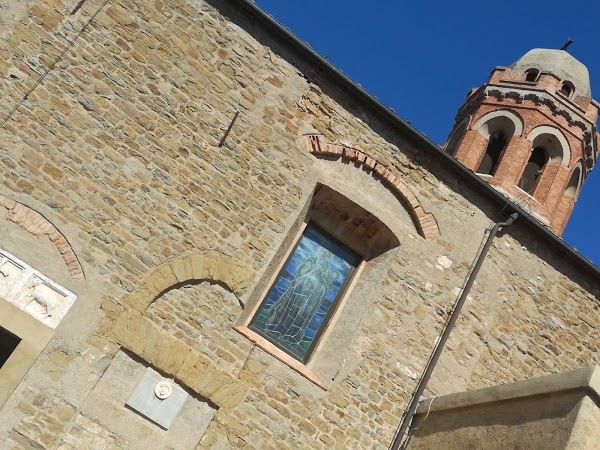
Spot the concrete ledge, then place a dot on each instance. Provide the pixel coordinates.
(585, 379)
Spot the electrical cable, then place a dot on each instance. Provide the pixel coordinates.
(426, 415)
(49, 69)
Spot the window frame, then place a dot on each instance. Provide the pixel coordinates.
(533, 71)
(336, 303)
(34, 336)
(569, 87)
(497, 135)
(540, 173)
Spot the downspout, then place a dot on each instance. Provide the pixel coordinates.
(399, 437)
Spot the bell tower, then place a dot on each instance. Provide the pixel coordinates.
(530, 131)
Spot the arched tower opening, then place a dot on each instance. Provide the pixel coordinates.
(493, 151)
(573, 184)
(533, 169)
(532, 75)
(567, 89)
(457, 137)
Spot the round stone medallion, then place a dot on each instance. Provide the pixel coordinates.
(163, 389)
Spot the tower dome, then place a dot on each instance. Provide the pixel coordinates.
(558, 63)
(530, 132)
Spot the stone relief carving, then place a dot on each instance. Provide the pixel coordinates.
(33, 292)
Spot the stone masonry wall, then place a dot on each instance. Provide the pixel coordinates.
(201, 316)
(118, 148)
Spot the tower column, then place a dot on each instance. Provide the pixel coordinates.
(513, 161)
(562, 214)
(542, 192)
(472, 149)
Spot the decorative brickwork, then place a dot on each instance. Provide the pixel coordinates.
(425, 222)
(33, 222)
(528, 115)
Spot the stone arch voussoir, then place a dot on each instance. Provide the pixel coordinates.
(176, 359)
(34, 223)
(136, 333)
(230, 272)
(425, 222)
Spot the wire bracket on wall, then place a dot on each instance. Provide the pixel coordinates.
(78, 7)
(51, 67)
(224, 138)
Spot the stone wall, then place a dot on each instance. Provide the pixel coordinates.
(201, 316)
(118, 149)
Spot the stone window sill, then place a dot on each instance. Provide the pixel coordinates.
(280, 355)
(527, 195)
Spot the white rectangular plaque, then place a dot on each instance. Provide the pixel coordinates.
(157, 398)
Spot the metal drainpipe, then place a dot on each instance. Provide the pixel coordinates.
(441, 341)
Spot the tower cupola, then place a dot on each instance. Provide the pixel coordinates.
(530, 131)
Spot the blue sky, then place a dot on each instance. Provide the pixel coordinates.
(421, 58)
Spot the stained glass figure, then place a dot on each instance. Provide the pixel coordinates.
(304, 294)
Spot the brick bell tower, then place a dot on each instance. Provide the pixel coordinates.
(530, 131)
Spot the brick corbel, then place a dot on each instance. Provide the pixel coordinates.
(425, 222)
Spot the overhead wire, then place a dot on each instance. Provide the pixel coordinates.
(51, 66)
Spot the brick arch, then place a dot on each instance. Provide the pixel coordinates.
(500, 118)
(562, 154)
(425, 222)
(33, 222)
(457, 135)
(232, 273)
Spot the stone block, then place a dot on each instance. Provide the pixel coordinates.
(111, 308)
(182, 269)
(230, 394)
(169, 354)
(163, 277)
(197, 262)
(141, 298)
(192, 368)
(231, 423)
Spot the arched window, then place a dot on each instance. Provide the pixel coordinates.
(306, 292)
(339, 244)
(534, 169)
(573, 185)
(497, 127)
(567, 89)
(532, 75)
(549, 147)
(456, 138)
(496, 145)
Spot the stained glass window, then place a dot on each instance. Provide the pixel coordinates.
(303, 296)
